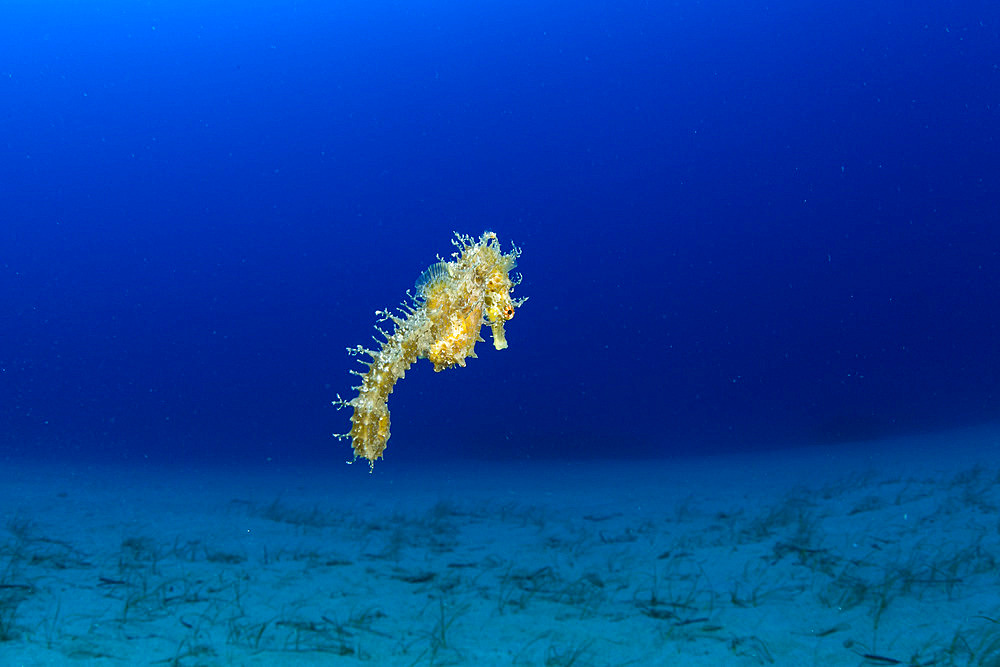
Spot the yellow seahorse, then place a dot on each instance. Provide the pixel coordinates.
(442, 322)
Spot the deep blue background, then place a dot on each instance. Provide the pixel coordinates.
(744, 224)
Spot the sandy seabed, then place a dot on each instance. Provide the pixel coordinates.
(880, 553)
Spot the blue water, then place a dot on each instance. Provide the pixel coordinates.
(742, 224)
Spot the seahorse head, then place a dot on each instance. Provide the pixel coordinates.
(499, 306)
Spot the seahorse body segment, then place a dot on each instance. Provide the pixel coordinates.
(453, 300)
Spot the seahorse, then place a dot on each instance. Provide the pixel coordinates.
(442, 322)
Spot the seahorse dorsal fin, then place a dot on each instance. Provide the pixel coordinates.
(431, 276)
